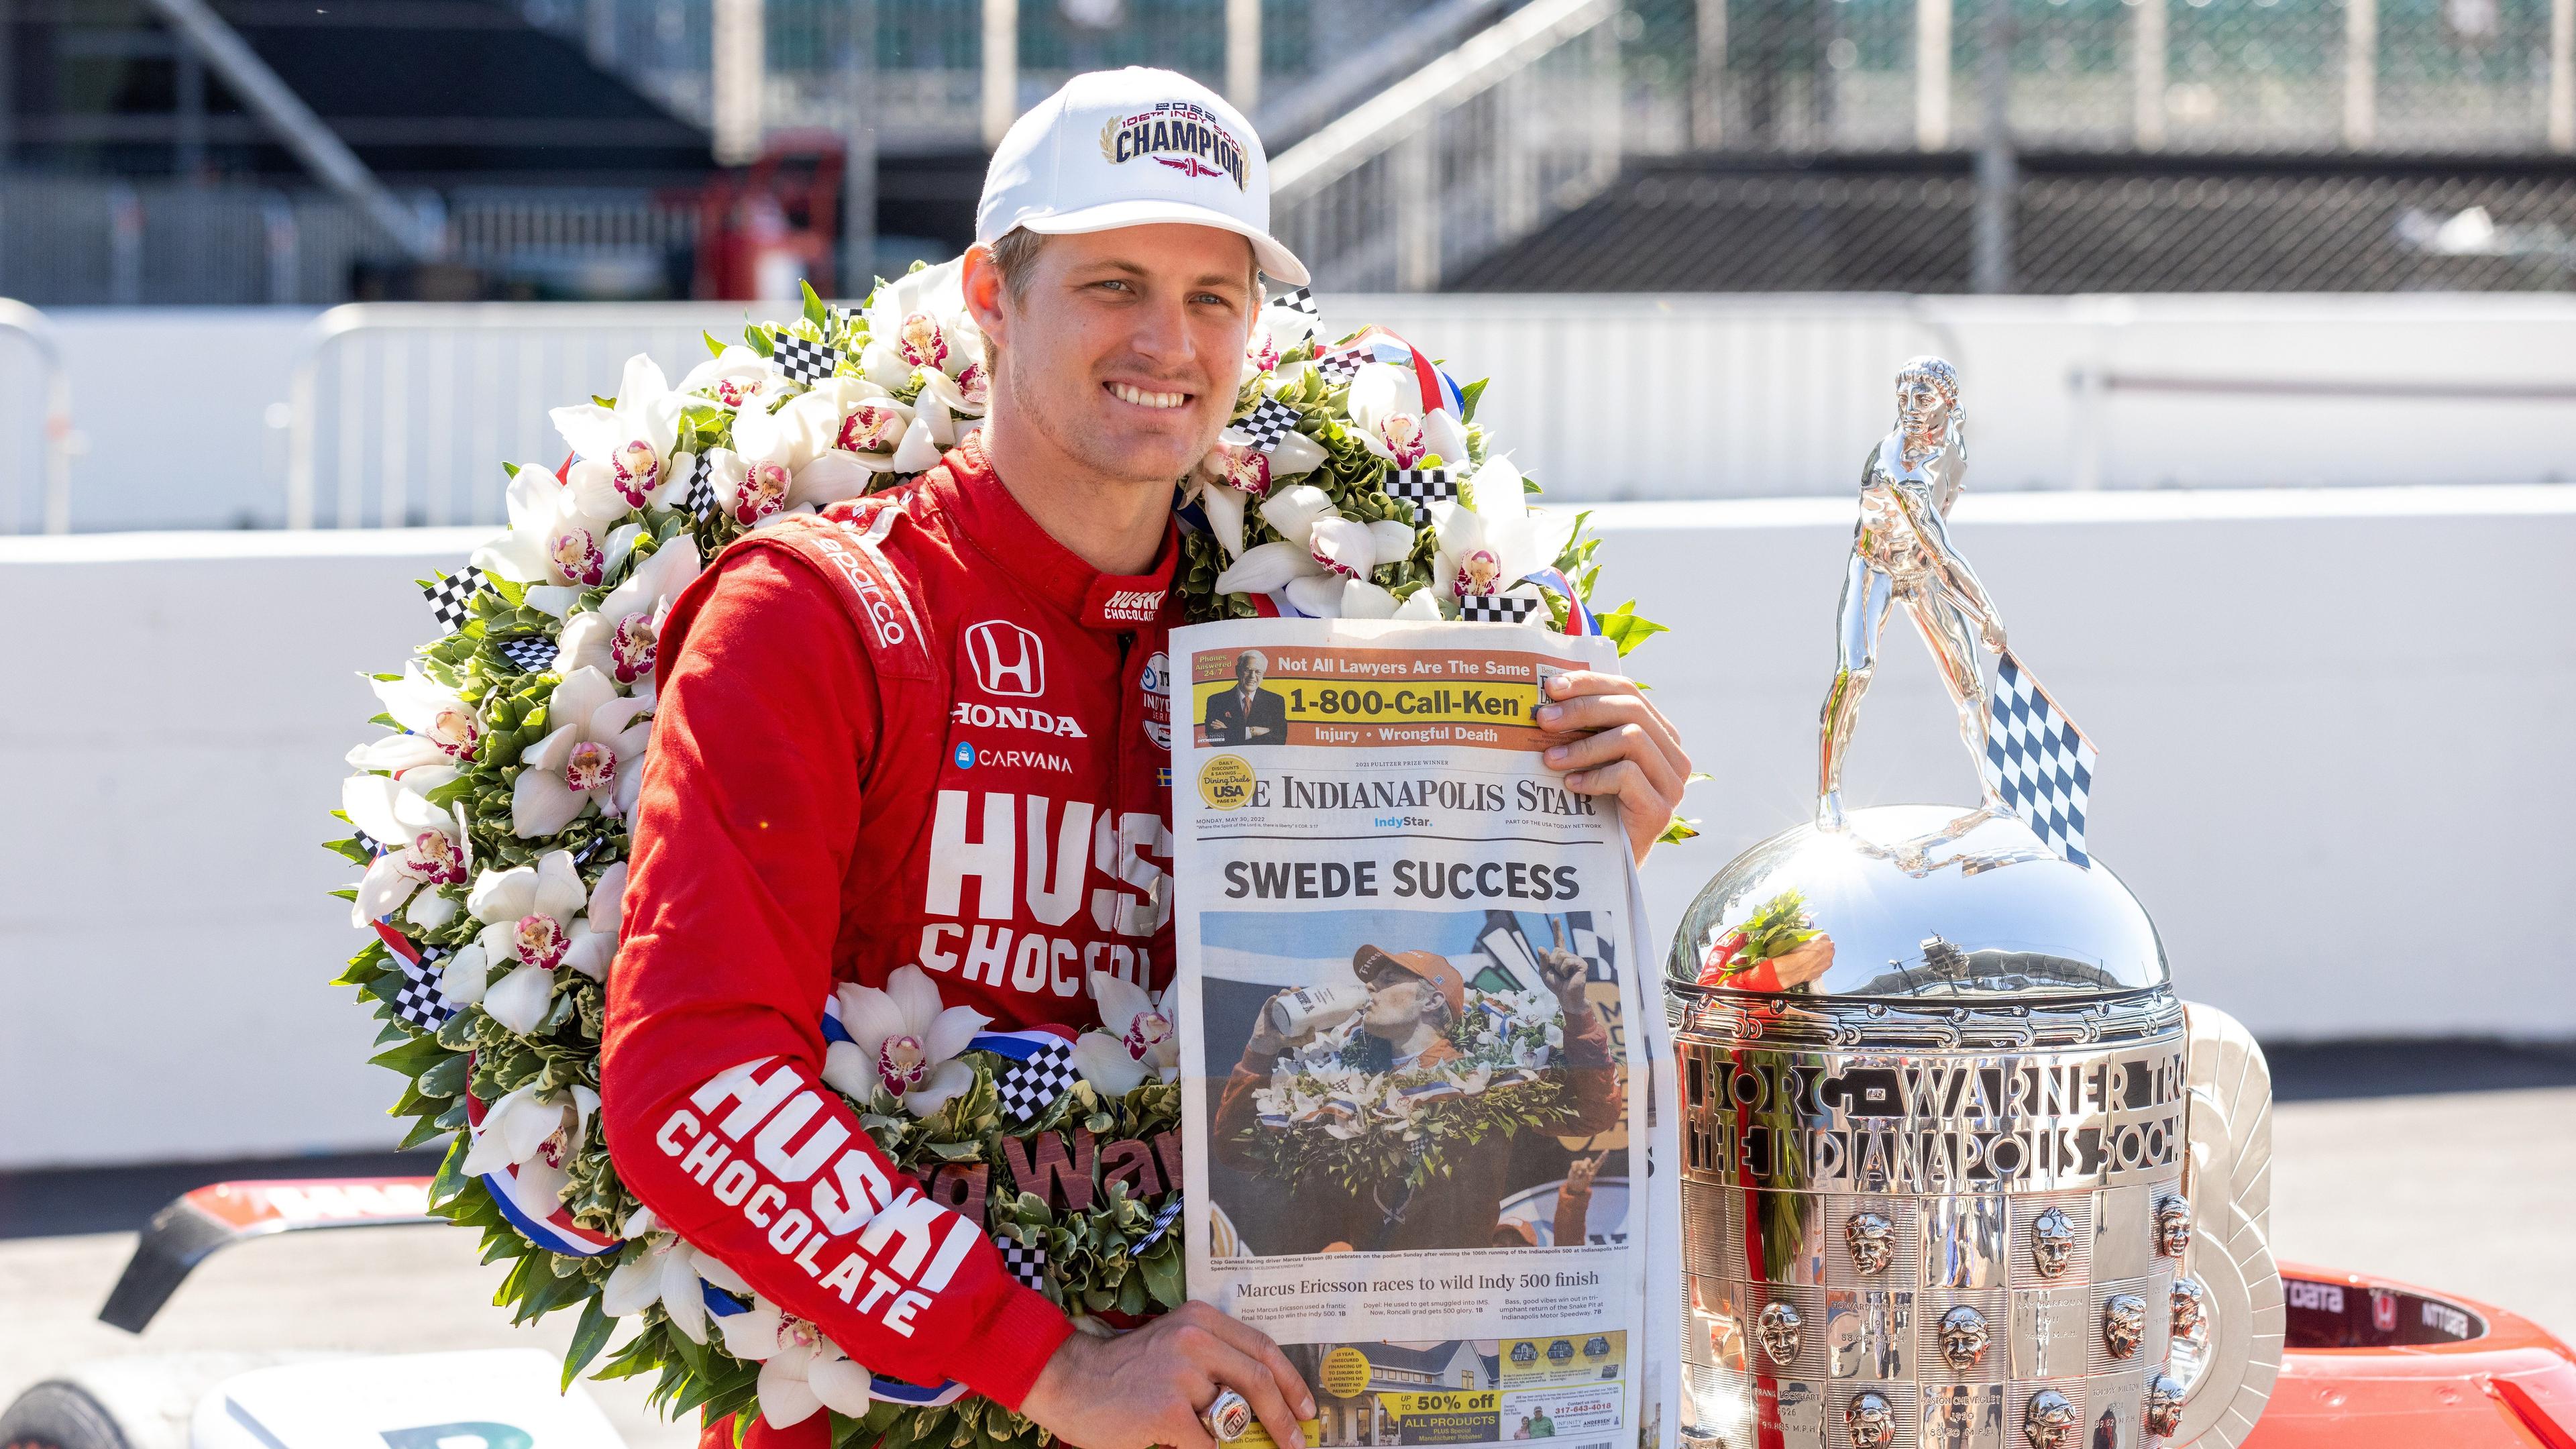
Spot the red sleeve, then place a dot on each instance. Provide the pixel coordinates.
(714, 1115)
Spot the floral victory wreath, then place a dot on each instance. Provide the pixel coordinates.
(492, 824)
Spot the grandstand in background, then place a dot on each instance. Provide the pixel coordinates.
(246, 151)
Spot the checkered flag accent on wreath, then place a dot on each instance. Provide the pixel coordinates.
(1268, 423)
(700, 499)
(2038, 761)
(804, 360)
(1340, 367)
(451, 597)
(422, 1001)
(1420, 486)
(1498, 608)
(1031, 1087)
(533, 653)
(1028, 1264)
(1300, 300)
(1162, 1224)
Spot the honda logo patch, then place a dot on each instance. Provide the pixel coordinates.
(1008, 660)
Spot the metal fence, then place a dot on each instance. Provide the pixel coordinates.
(1692, 226)
(927, 84)
(90, 241)
(403, 413)
(1476, 150)
(36, 437)
(2149, 75)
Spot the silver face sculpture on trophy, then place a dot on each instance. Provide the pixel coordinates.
(1959, 1170)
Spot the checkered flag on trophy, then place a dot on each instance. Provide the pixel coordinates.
(1026, 1263)
(422, 999)
(1032, 1086)
(2038, 761)
(1498, 608)
(451, 597)
(804, 360)
(1267, 423)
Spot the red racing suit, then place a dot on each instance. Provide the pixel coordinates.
(912, 729)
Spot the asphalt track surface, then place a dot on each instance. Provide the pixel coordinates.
(2464, 1191)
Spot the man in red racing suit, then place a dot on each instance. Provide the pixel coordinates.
(930, 728)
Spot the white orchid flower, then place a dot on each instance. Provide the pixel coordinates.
(1387, 414)
(624, 458)
(534, 922)
(1322, 562)
(536, 1132)
(904, 1041)
(734, 376)
(801, 1371)
(620, 638)
(423, 845)
(555, 544)
(1488, 547)
(674, 1274)
(807, 455)
(594, 755)
(1139, 1041)
(918, 323)
(1236, 470)
(439, 727)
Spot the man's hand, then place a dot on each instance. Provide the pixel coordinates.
(1565, 973)
(1626, 749)
(1265, 1040)
(1148, 1387)
(1578, 1177)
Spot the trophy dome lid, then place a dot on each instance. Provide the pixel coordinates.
(1913, 902)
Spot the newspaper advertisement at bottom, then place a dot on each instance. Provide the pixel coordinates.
(1413, 980)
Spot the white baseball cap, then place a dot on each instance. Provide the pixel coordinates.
(1133, 147)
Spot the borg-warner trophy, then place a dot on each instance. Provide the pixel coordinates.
(1959, 1170)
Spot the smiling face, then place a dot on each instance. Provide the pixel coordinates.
(1118, 352)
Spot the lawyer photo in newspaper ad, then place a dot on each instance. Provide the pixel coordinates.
(1430, 1080)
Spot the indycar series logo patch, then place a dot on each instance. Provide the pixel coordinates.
(1176, 134)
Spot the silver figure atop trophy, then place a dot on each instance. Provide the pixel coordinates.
(1958, 1169)
(1901, 554)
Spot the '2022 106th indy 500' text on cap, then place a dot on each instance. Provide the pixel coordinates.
(1133, 147)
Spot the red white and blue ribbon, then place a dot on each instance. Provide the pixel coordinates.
(721, 1304)
(1578, 618)
(1376, 344)
(546, 1223)
(1019, 1046)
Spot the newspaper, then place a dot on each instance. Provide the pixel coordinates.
(1416, 1099)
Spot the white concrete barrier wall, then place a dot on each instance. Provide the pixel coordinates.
(2332, 725)
(182, 411)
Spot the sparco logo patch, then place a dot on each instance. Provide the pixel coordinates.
(883, 615)
(1176, 134)
(1008, 660)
